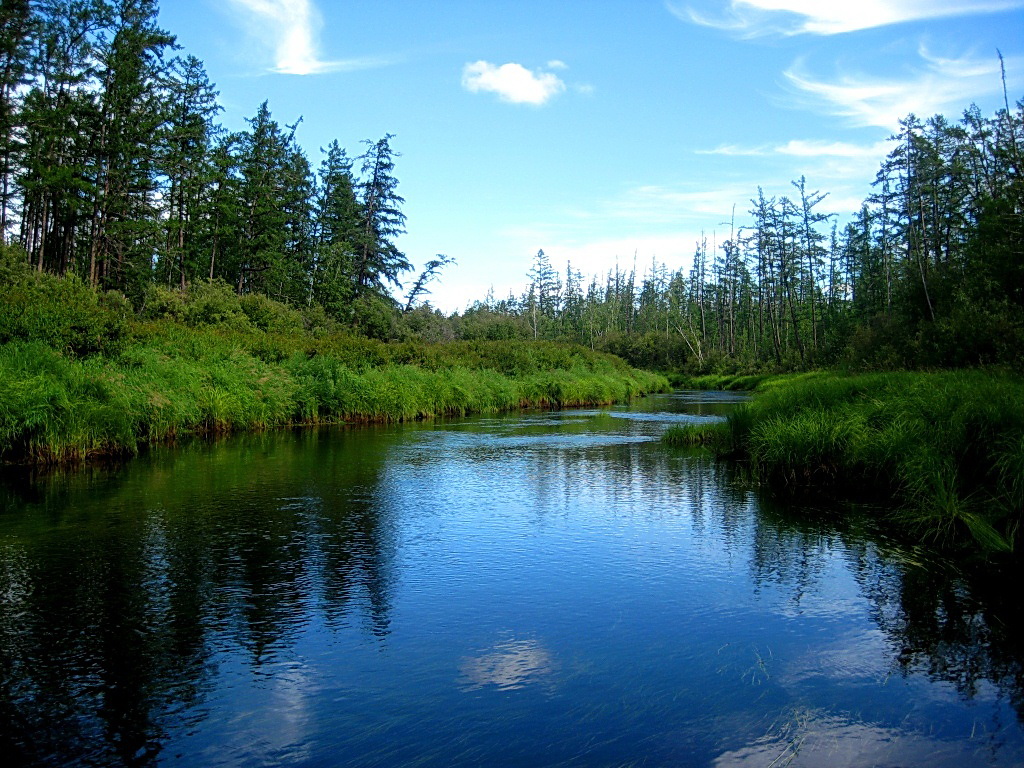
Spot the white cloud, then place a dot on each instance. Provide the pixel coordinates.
(512, 82)
(943, 83)
(803, 148)
(596, 257)
(290, 29)
(821, 17)
(656, 204)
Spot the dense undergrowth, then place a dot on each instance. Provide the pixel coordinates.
(948, 446)
(85, 374)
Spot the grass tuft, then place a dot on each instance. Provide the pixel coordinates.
(949, 447)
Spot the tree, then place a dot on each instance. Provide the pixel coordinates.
(17, 24)
(338, 226)
(58, 121)
(186, 165)
(430, 273)
(273, 189)
(125, 231)
(378, 260)
(545, 286)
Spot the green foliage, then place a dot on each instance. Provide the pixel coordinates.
(116, 171)
(950, 446)
(481, 323)
(214, 302)
(730, 382)
(269, 315)
(14, 266)
(80, 377)
(64, 313)
(375, 315)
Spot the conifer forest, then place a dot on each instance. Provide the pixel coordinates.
(115, 170)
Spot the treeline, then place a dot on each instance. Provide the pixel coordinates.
(929, 272)
(113, 168)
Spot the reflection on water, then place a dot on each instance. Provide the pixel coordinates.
(542, 589)
(509, 665)
(812, 739)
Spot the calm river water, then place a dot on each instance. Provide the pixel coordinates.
(532, 589)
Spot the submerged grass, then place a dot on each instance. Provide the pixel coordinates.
(171, 380)
(949, 447)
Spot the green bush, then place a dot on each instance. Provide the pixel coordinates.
(269, 315)
(214, 302)
(81, 376)
(64, 313)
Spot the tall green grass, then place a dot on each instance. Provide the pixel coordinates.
(948, 447)
(55, 407)
(84, 373)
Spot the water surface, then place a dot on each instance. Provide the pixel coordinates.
(530, 589)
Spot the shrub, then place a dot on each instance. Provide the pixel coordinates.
(64, 313)
(269, 315)
(947, 445)
(214, 302)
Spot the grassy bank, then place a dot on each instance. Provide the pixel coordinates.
(719, 381)
(54, 407)
(84, 374)
(948, 447)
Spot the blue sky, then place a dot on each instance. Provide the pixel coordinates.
(600, 130)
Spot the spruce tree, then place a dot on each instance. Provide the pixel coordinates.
(378, 261)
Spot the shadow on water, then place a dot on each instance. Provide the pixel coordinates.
(959, 623)
(595, 571)
(108, 631)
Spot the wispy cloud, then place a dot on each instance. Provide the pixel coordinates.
(802, 148)
(290, 30)
(941, 83)
(513, 82)
(751, 18)
(842, 169)
(658, 204)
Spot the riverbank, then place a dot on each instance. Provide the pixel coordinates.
(84, 374)
(947, 447)
(718, 381)
(56, 408)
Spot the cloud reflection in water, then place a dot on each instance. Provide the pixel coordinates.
(512, 664)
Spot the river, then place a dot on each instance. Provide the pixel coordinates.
(527, 589)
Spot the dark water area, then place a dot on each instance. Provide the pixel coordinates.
(531, 589)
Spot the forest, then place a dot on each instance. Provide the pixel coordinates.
(115, 171)
(161, 275)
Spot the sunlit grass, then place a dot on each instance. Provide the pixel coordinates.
(949, 447)
(172, 380)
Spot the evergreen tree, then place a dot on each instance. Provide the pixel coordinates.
(125, 230)
(17, 24)
(338, 229)
(261, 231)
(378, 261)
(186, 165)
